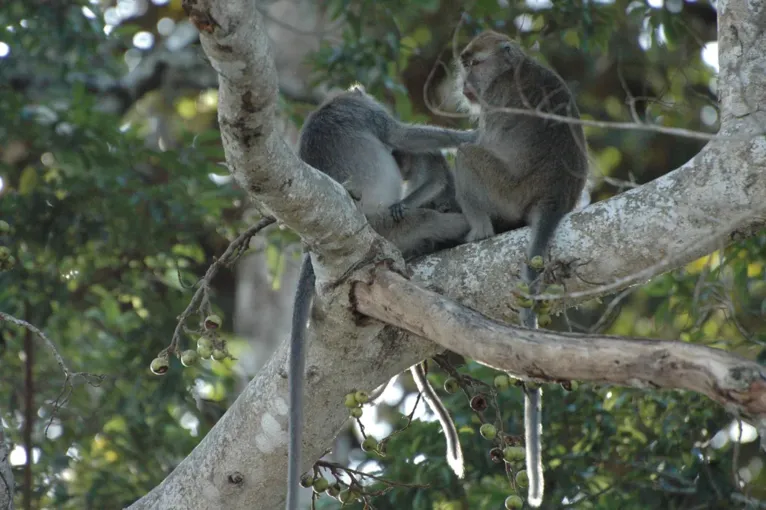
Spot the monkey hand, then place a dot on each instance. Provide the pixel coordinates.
(397, 211)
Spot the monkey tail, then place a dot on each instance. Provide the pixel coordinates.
(532, 438)
(533, 426)
(454, 451)
(301, 310)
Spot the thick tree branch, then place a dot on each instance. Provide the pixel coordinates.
(736, 383)
(234, 38)
(241, 462)
(741, 80)
(662, 225)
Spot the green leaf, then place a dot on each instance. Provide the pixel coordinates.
(28, 180)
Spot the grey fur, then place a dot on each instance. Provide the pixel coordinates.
(454, 450)
(351, 138)
(523, 170)
(429, 183)
(297, 363)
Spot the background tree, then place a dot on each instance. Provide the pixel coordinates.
(110, 139)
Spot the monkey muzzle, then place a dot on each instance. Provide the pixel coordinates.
(470, 93)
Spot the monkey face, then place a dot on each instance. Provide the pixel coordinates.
(484, 58)
(472, 65)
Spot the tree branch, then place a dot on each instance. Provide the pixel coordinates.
(730, 380)
(234, 38)
(625, 240)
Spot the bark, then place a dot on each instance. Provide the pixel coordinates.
(717, 196)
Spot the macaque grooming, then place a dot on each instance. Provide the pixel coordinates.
(522, 170)
(350, 138)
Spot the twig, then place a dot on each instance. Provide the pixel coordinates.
(200, 298)
(24, 324)
(93, 379)
(333, 467)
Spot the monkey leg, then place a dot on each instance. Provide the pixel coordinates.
(471, 194)
(481, 227)
(420, 231)
(428, 191)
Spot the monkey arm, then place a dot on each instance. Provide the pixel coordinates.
(424, 193)
(422, 138)
(420, 231)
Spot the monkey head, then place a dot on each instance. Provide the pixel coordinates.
(486, 57)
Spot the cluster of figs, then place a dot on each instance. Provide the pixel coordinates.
(210, 345)
(511, 452)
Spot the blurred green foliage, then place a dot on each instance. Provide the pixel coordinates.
(111, 228)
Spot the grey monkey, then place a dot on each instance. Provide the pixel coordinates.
(350, 138)
(523, 170)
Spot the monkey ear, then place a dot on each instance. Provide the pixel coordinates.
(510, 52)
(358, 88)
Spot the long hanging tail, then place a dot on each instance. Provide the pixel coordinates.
(532, 434)
(454, 451)
(533, 429)
(301, 310)
(542, 232)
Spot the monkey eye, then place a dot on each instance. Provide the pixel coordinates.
(470, 61)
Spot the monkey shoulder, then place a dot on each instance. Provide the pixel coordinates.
(348, 118)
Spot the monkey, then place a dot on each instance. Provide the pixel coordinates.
(522, 170)
(350, 138)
